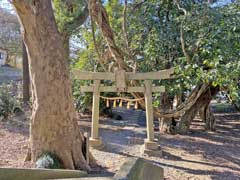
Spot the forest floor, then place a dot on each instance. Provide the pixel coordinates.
(200, 155)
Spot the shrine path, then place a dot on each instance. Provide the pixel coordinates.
(200, 155)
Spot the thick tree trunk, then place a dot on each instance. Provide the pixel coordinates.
(180, 99)
(54, 125)
(207, 116)
(202, 113)
(26, 79)
(165, 124)
(188, 116)
(210, 120)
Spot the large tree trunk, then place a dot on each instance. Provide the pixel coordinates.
(188, 116)
(179, 99)
(165, 123)
(207, 116)
(26, 79)
(54, 125)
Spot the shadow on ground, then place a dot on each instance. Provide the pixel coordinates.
(220, 149)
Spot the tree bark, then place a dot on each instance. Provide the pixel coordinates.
(166, 104)
(210, 120)
(207, 117)
(26, 79)
(203, 99)
(54, 125)
(66, 39)
(180, 99)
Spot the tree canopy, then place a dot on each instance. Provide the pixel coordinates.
(163, 34)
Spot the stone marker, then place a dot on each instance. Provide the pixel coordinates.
(139, 169)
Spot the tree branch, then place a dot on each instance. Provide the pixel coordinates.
(100, 16)
(187, 56)
(100, 59)
(76, 22)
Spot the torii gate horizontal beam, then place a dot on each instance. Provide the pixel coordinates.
(164, 74)
(114, 89)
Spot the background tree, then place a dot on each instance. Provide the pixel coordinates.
(70, 15)
(25, 75)
(10, 36)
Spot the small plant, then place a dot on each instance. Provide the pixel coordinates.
(48, 160)
(8, 103)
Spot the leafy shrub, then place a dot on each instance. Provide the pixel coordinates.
(48, 160)
(8, 103)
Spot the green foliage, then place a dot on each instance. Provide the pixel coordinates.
(114, 9)
(217, 60)
(8, 103)
(66, 12)
(49, 160)
(82, 101)
(211, 38)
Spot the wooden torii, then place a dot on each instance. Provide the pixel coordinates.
(121, 78)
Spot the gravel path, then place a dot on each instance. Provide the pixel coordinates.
(199, 155)
(13, 145)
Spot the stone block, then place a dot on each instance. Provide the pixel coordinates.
(96, 143)
(151, 148)
(151, 145)
(148, 152)
(139, 169)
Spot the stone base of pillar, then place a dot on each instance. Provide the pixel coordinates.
(95, 142)
(151, 148)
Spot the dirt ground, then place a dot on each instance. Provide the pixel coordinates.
(200, 155)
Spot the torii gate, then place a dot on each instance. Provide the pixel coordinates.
(121, 77)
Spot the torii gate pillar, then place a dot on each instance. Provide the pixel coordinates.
(94, 140)
(150, 147)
